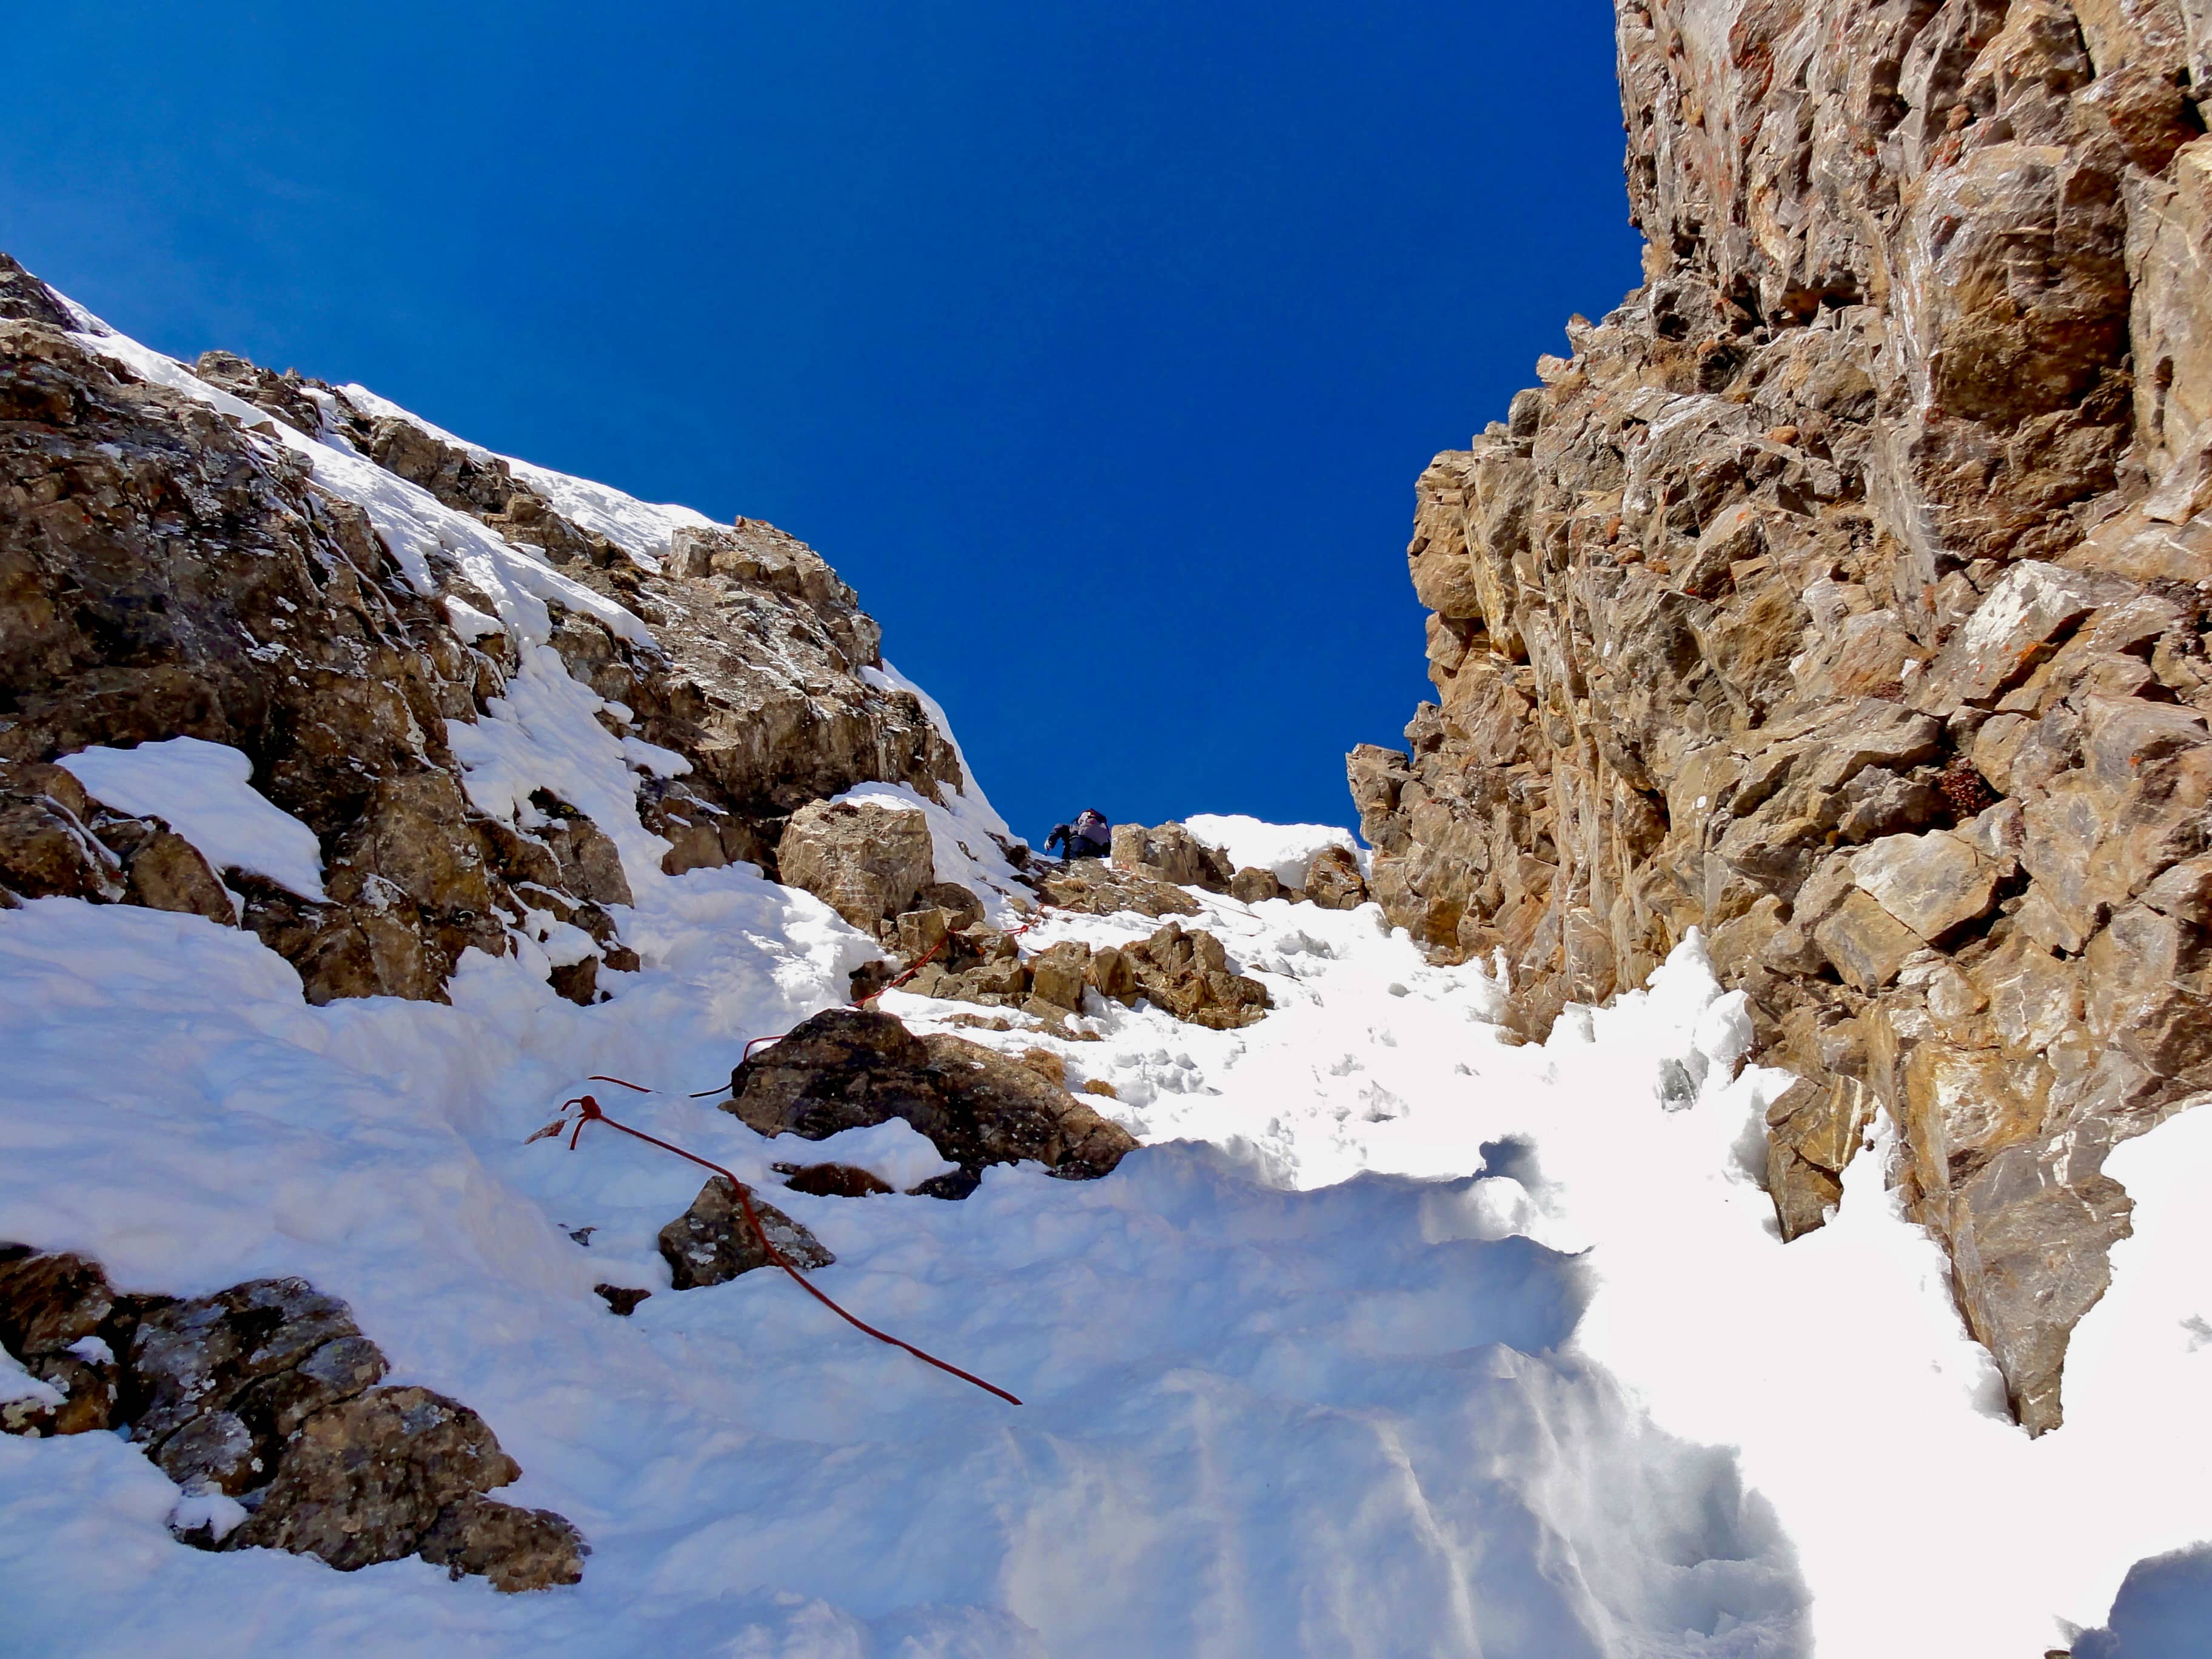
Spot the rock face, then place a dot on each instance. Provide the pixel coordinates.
(1844, 596)
(266, 1392)
(852, 1068)
(167, 570)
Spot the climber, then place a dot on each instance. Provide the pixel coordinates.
(1089, 837)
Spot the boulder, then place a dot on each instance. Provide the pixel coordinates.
(711, 1243)
(1059, 972)
(1253, 886)
(517, 1549)
(1187, 973)
(865, 861)
(1333, 881)
(853, 1068)
(364, 1481)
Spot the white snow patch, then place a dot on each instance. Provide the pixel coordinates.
(896, 1151)
(18, 1384)
(205, 791)
(1286, 848)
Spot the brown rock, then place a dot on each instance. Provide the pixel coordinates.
(1934, 884)
(1058, 974)
(1093, 887)
(833, 1179)
(1188, 975)
(1251, 885)
(865, 861)
(850, 1068)
(1857, 557)
(1865, 942)
(50, 1300)
(1333, 881)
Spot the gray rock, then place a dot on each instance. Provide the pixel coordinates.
(364, 1481)
(517, 1549)
(711, 1243)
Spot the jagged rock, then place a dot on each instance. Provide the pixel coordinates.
(853, 1068)
(1841, 597)
(1333, 881)
(1934, 884)
(54, 1309)
(365, 1480)
(218, 1385)
(1113, 974)
(711, 1243)
(1252, 885)
(961, 905)
(517, 1549)
(50, 1300)
(1094, 887)
(622, 1299)
(865, 860)
(1188, 975)
(173, 574)
(1059, 972)
(266, 1390)
(1171, 853)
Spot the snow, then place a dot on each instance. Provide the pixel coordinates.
(1286, 848)
(1343, 1420)
(205, 792)
(1396, 1337)
(16, 1384)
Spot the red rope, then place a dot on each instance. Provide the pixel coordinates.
(590, 1113)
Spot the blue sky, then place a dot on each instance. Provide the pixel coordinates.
(1098, 346)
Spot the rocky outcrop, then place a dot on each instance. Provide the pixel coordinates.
(1171, 853)
(852, 1068)
(1185, 974)
(261, 1402)
(1844, 596)
(167, 570)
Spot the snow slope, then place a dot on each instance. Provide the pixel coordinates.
(1394, 1338)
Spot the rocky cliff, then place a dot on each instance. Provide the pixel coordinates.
(1844, 596)
(382, 619)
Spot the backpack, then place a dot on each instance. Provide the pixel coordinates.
(1092, 826)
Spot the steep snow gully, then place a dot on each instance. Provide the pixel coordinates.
(1394, 1337)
